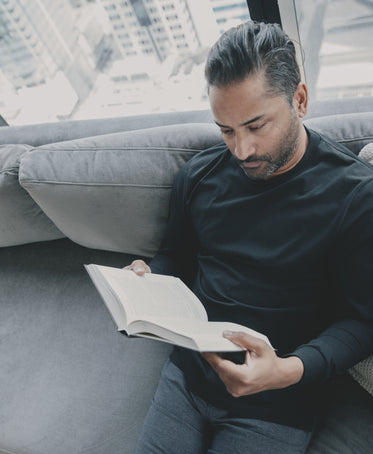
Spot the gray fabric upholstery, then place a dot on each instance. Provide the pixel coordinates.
(112, 192)
(44, 133)
(363, 374)
(339, 106)
(88, 186)
(363, 371)
(348, 422)
(367, 153)
(41, 134)
(21, 219)
(69, 382)
(352, 130)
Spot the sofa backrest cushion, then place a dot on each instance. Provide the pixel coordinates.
(43, 133)
(354, 131)
(21, 219)
(112, 191)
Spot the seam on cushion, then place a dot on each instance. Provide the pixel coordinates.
(355, 139)
(10, 169)
(103, 148)
(37, 182)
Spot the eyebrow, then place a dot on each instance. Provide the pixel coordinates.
(253, 120)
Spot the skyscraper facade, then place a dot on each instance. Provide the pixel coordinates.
(39, 39)
(228, 13)
(158, 27)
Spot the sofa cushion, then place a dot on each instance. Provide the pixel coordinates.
(112, 192)
(363, 374)
(367, 153)
(21, 221)
(352, 130)
(346, 426)
(69, 382)
(363, 371)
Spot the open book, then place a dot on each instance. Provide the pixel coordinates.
(162, 308)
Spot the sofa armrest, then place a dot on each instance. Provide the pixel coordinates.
(21, 219)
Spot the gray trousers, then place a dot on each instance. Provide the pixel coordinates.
(180, 422)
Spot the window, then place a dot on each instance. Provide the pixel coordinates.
(140, 76)
(230, 6)
(76, 52)
(168, 7)
(105, 34)
(336, 45)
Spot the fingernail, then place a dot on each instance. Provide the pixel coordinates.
(227, 333)
(137, 269)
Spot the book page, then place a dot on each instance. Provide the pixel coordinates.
(195, 334)
(110, 298)
(163, 308)
(215, 329)
(152, 295)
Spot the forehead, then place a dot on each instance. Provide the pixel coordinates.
(238, 102)
(254, 86)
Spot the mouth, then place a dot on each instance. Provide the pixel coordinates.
(251, 164)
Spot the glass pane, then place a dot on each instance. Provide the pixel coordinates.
(336, 36)
(79, 59)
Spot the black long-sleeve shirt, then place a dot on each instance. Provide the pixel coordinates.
(290, 256)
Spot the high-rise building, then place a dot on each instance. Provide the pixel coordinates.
(38, 40)
(158, 27)
(80, 3)
(229, 13)
(95, 34)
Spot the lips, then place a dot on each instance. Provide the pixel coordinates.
(251, 164)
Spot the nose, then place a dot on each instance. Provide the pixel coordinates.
(244, 147)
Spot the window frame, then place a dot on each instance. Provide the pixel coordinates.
(282, 12)
(289, 23)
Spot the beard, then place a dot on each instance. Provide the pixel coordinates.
(271, 163)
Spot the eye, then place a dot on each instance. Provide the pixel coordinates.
(256, 128)
(226, 132)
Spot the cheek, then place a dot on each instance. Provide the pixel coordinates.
(273, 139)
(230, 143)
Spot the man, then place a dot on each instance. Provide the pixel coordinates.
(271, 229)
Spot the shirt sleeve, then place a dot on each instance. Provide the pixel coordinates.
(177, 255)
(350, 339)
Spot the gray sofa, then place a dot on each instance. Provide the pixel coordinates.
(97, 192)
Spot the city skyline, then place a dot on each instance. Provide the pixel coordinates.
(74, 47)
(80, 59)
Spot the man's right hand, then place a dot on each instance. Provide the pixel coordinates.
(139, 267)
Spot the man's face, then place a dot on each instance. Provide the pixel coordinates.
(262, 131)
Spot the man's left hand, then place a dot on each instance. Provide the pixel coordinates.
(262, 370)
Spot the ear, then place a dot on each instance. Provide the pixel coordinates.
(300, 100)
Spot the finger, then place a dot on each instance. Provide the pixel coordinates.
(219, 364)
(246, 341)
(139, 267)
(213, 358)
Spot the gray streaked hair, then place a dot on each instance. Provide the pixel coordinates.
(250, 48)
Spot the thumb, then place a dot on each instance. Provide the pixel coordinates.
(139, 267)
